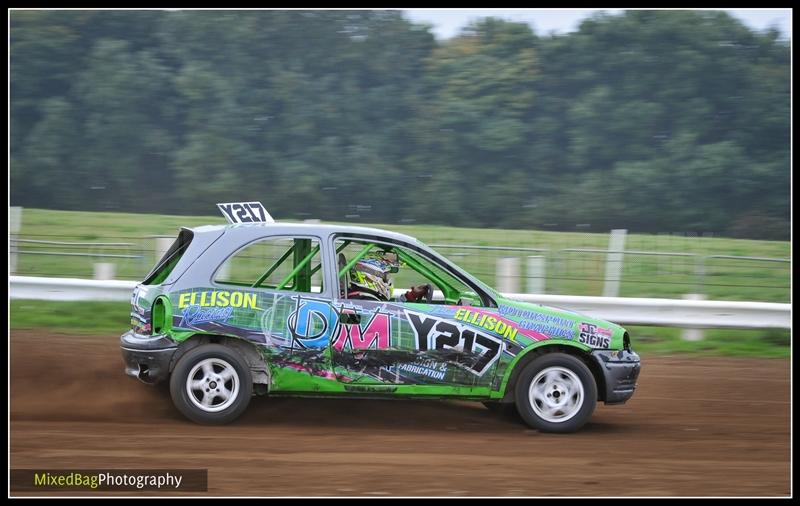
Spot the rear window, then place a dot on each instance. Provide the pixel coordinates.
(275, 263)
(170, 259)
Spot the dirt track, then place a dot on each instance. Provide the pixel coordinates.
(705, 427)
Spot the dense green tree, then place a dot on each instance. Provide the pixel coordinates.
(648, 120)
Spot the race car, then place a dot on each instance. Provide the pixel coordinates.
(258, 307)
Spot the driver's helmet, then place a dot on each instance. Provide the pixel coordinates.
(371, 275)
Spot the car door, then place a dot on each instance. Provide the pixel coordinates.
(401, 342)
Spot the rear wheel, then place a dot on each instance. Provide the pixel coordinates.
(211, 384)
(556, 392)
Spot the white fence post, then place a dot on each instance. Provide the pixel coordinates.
(616, 245)
(104, 270)
(508, 274)
(692, 334)
(162, 245)
(14, 225)
(536, 273)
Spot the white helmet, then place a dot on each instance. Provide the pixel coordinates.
(370, 276)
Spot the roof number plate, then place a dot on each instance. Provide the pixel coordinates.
(245, 212)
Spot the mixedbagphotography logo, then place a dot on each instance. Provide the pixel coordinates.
(93, 480)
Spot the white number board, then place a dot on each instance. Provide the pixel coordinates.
(245, 212)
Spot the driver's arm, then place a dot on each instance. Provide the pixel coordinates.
(415, 293)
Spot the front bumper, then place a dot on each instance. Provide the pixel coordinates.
(147, 357)
(620, 369)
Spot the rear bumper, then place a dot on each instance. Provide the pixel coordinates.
(620, 369)
(147, 358)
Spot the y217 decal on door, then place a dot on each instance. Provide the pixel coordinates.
(479, 351)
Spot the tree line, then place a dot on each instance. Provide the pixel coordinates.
(655, 121)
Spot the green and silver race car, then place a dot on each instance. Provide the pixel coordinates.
(259, 307)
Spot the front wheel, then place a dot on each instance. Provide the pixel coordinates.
(556, 392)
(211, 384)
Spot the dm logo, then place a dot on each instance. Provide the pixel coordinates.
(311, 323)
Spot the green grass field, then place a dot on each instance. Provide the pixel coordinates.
(567, 272)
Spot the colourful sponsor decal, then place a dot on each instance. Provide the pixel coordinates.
(218, 298)
(549, 326)
(141, 327)
(480, 351)
(503, 326)
(427, 368)
(548, 330)
(137, 302)
(323, 373)
(533, 316)
(488, 322)
(594, 336)
(375, 335)
(310, 323)
(371, 388)
(437, 310)
(541, 323)
(195, 314)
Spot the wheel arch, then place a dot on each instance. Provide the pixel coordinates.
(259, 368)
(538, 349)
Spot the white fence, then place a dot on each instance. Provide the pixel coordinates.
(622, 310)
(672, 312)
(32, 287)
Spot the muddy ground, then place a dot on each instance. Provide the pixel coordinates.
(695, 427)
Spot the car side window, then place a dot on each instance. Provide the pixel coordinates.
(453, 290)
(384, 271)
(277, 263)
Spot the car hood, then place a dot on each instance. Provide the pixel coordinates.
(539, 322)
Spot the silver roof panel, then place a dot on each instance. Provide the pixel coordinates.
(254, 230)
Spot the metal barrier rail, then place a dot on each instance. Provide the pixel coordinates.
(69, 289)
(671, 312)
(71, 243)
(623, 310)
(68, 254)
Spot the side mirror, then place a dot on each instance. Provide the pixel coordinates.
(469, 299)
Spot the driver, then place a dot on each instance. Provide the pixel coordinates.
(370, 280)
